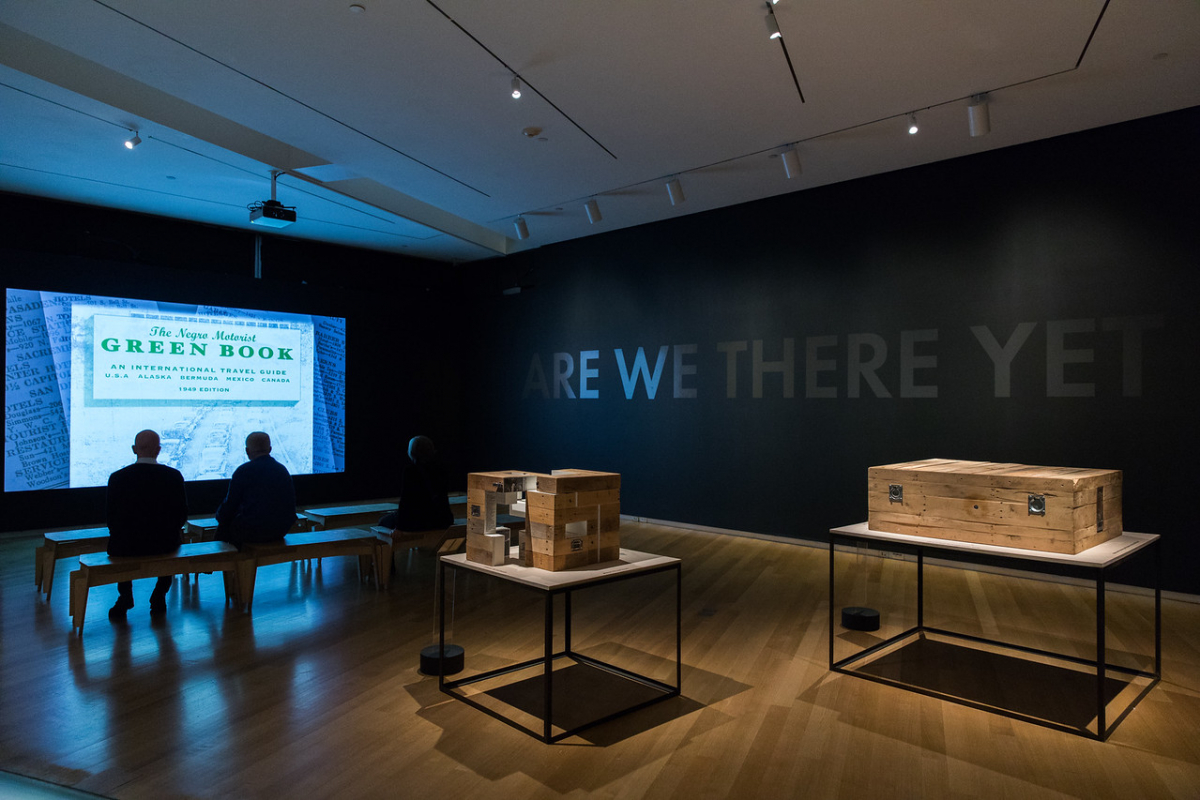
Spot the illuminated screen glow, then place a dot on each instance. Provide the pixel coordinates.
(84, 374)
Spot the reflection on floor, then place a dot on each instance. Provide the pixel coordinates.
(19, 787)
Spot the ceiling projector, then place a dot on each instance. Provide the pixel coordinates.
(272, 214)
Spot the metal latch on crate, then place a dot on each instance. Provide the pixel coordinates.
(895, 493)
(1037, 505)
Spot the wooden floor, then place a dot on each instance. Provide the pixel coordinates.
(316, 694)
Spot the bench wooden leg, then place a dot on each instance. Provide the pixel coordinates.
(232, 588)
(37, 567)
(383, 563)
(48, 574)
(247, 572)
(79, 597)
(49, 562)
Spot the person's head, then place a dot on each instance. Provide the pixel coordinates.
(420, 449)
(257, 444)
(145, 444)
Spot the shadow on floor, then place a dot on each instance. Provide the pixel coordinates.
(1054, 693)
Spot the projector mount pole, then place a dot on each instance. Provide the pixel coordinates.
(258, 236)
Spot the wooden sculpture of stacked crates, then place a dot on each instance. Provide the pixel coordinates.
(573, 517)
(1051, 509)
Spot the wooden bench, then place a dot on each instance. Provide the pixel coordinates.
(99, 569)
(64, 544)
(403, 541)
(347, 516)
(68, 544)
(374, 555)
(205, 528)
(200, 530)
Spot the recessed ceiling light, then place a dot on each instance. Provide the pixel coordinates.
(357, 9)
(531, 131)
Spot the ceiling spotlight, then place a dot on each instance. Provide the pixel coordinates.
(133, 141)
(912, 124)
(977, 115)
(773, 25)
(593, 211)
(791, 162)
(516, 88)
(522, 228)
(675, 192)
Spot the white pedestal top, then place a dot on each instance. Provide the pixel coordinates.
(630, 562)
(1102, 555)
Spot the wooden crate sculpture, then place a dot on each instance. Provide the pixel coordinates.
(573, 517)
(1051, 509)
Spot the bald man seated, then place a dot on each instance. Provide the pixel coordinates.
(261, 503)
(146, 508)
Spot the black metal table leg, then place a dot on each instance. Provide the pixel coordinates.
(567, 622)
(678, 627)
(920, 588)
(1100, 655)
(1157, 609)
(548, 670)
(832, 550)
(442, 625)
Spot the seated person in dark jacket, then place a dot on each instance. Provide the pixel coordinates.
(424, 501)
(146, 508)
(261, 503)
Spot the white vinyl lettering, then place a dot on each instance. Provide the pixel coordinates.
(857, 370)
(1058, 356)
(564, 368)
(680, 370)
(786, 367)
(1002, 357)
(629, 379)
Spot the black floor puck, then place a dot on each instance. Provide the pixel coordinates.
(857, 618)
(449, 663)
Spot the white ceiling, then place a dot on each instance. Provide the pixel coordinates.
(394, 128)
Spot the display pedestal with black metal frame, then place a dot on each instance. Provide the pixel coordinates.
(550, 584)
(1095, 563)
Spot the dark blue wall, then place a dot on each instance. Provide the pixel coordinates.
(1086, 242)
